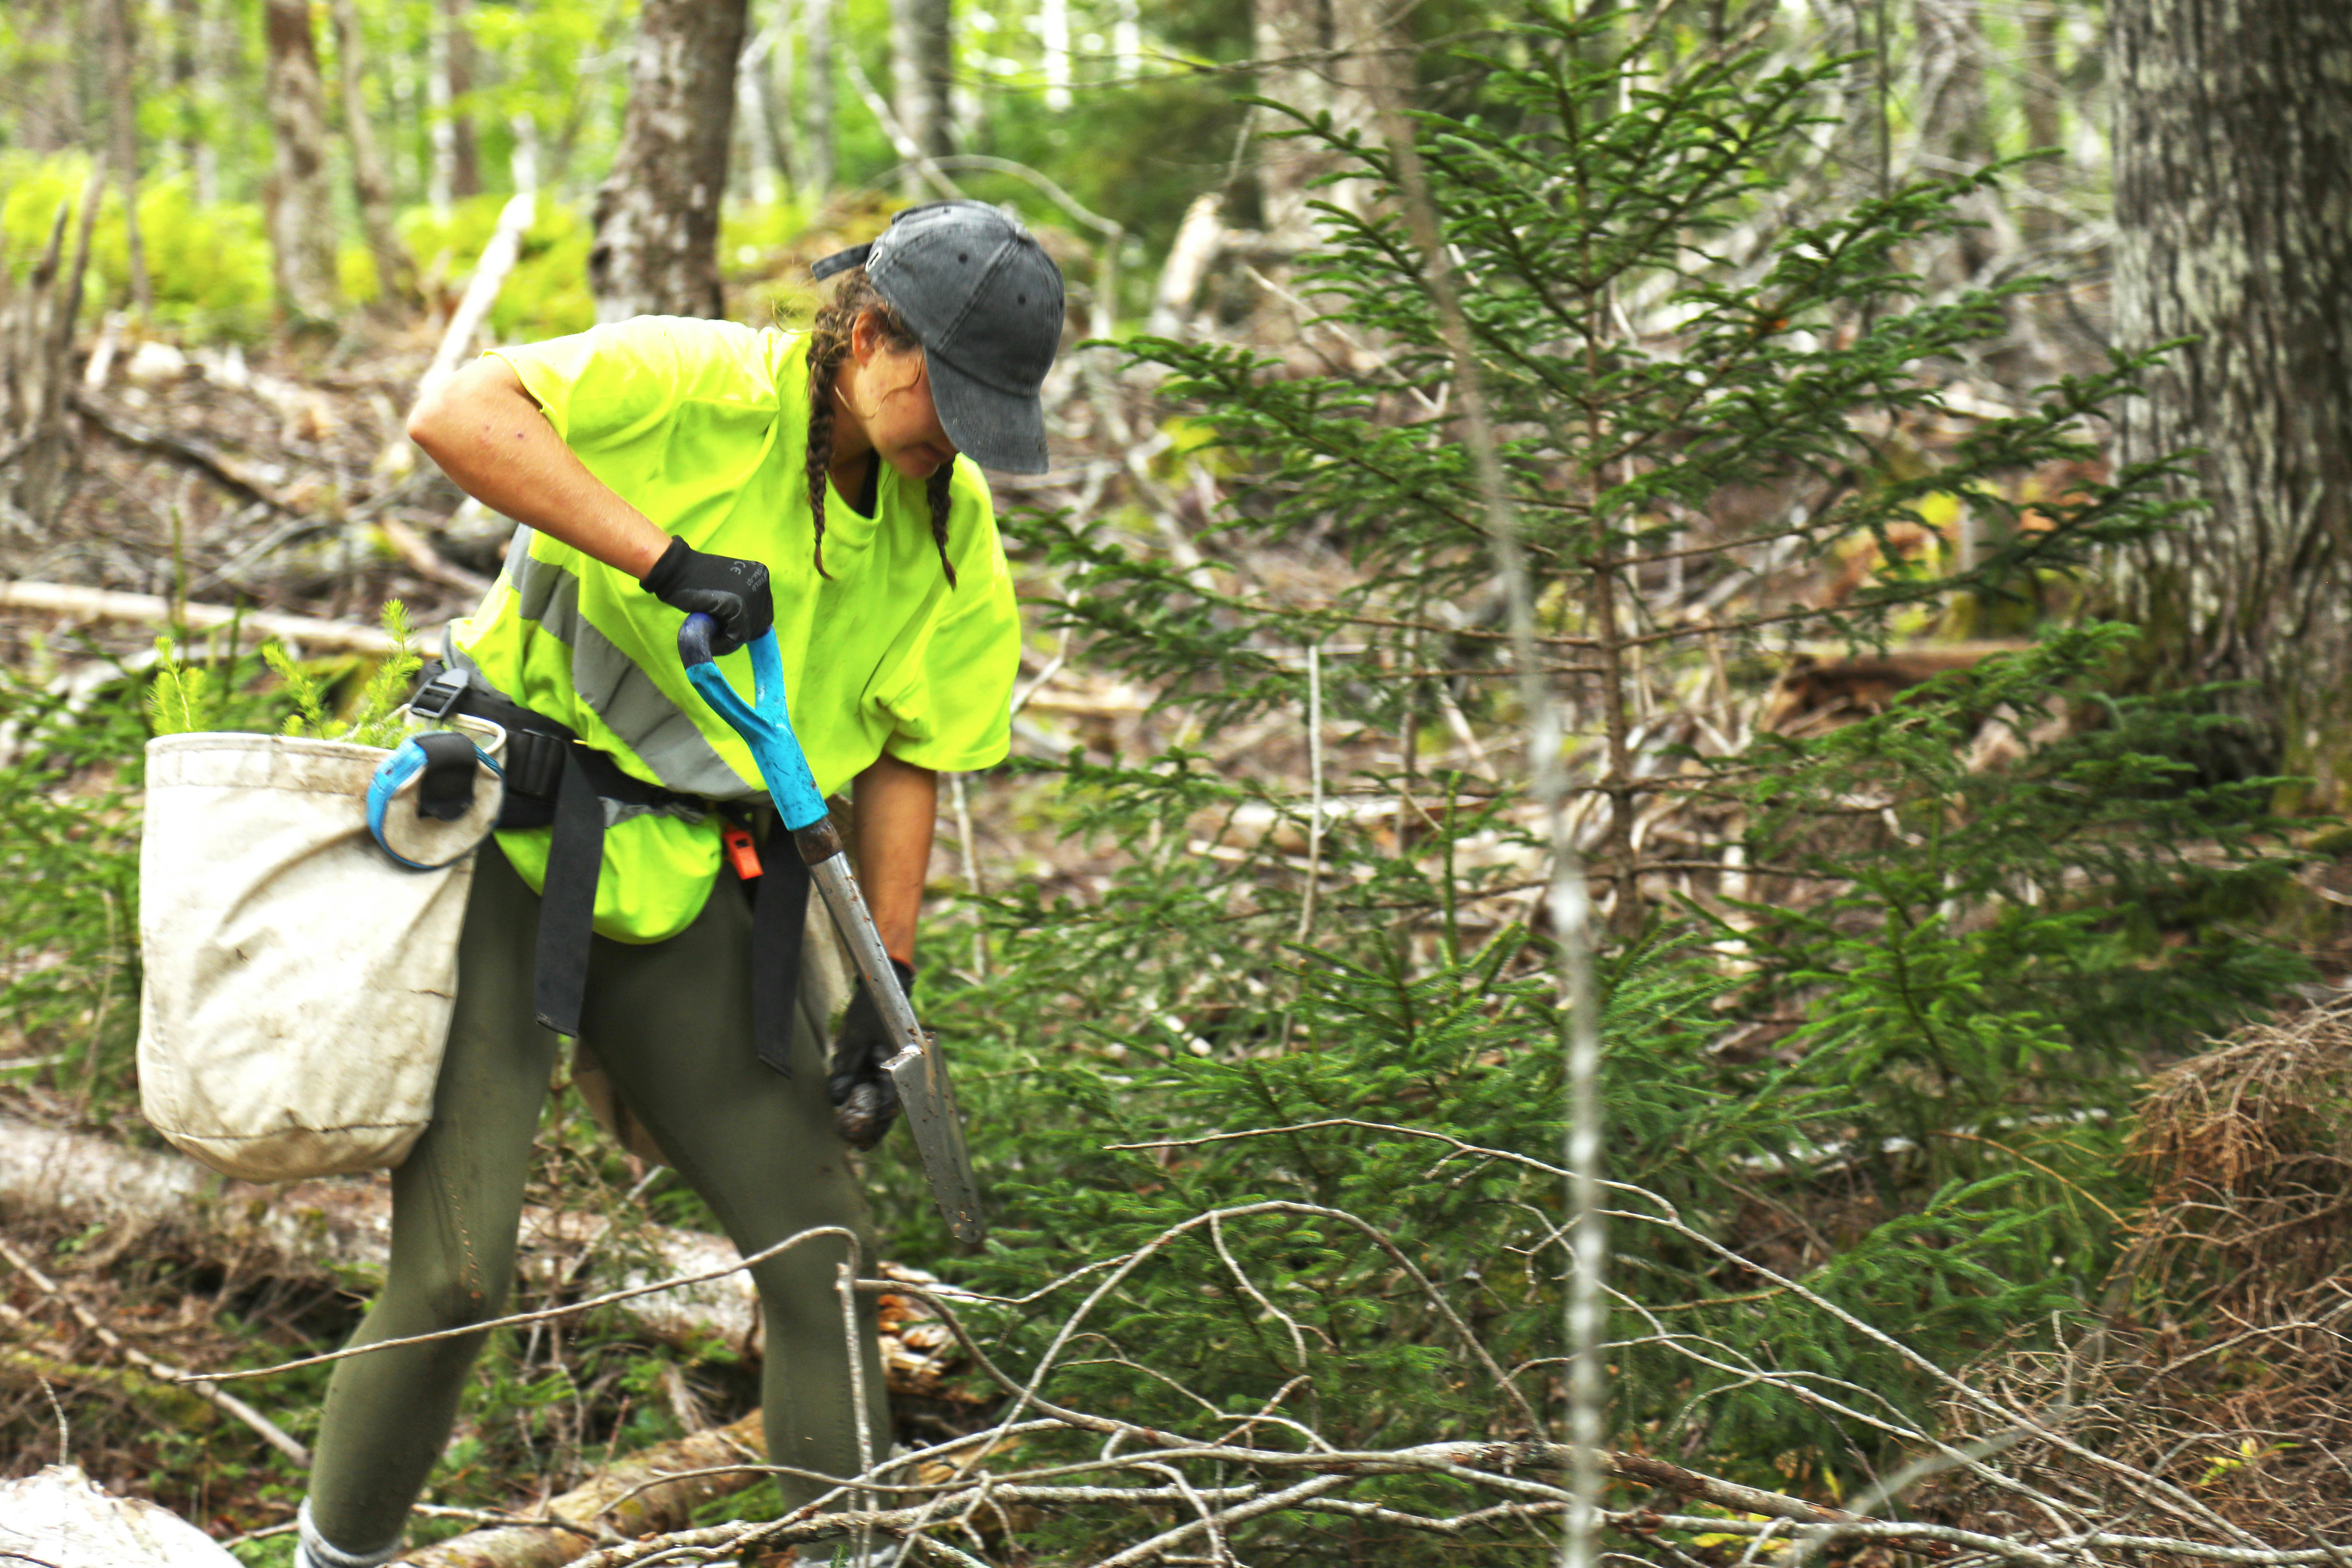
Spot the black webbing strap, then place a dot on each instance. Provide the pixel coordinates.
(567, 903)
(779, 918)
(444, 785)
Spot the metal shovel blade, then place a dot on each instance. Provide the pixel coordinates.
(920, 1071)
(919, 1068)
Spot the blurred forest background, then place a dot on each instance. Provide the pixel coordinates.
(1671, 877)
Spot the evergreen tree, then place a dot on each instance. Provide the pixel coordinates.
(1293, 1071)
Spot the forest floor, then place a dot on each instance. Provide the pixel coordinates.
(281, 480)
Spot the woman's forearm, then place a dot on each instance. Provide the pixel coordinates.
(897, 808)
(493, 441)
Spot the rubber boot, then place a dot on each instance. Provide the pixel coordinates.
(315, 1551)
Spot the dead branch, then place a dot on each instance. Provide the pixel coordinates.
(498, 259)
(155, 610)
(427, 563)
(239, 476)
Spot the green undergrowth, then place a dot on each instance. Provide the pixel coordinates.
(1871, 1031)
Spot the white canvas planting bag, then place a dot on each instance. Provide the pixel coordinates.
(299, 979)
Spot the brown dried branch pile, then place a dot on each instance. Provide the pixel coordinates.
(2227, 1344)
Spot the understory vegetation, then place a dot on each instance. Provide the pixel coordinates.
(1269, 1100)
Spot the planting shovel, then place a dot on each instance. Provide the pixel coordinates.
(917, 1067)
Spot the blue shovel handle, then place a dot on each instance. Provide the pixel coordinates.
(764, 724)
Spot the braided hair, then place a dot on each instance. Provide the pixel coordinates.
(829, 337)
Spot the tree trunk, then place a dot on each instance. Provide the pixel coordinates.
(766, 151)
(1053, 38)
(369, 182)
(818, 143)
(2234, 180)
(922, 68)
(1955, 120)
(301, 212)
(36, 360)
(457, 65)
(1127, 41)
(122, 78)
(657, 212)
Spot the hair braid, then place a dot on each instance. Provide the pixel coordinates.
(826, 351)
(829, 342)
(939, 490)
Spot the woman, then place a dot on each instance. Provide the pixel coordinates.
(807, 484)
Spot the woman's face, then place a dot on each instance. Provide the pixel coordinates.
(893, 401)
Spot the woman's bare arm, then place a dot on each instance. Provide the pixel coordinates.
(897, 808)
(489, 438)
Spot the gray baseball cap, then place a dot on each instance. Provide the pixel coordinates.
(986, 302)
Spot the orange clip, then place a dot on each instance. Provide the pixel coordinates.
(741, 853)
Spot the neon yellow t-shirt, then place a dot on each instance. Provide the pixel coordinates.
(702, 425)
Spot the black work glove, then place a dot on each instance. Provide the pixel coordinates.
(865, 1100)
(730, 591)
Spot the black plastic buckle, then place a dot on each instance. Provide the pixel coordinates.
(534, 763)
(440, 697)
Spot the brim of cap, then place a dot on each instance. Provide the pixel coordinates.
(997, 430)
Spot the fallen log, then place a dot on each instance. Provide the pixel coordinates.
(625, 1501)
(340, 1229)
(155, 610)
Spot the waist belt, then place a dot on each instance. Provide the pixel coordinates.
(555, 779)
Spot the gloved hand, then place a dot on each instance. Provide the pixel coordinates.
(730, 591)
(865, 1100)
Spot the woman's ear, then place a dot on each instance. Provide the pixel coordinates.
(864, 337)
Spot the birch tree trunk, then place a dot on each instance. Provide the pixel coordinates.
(817, 141)
(922, 69)
(2233, 206)
(657, 212)
(766, 140)
(301, 211)
(1053, 38)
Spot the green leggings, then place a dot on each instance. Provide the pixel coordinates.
(671, 1022)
